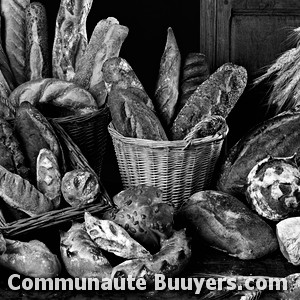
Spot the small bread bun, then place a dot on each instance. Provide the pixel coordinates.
(80, 187)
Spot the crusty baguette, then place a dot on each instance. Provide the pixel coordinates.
(70, 39)
(13, 12)
(118, 73)
(60, 98)
(22, 195)
(215, 96)
(48, 176)
(37, 55)
(167, 88)
(106, 41)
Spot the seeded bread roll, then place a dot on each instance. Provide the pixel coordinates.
(70, 39)
(79, 187)
(37, 55)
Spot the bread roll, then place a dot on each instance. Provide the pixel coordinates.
(37, 52)
(106, 41)
(167, 88)
(48, 176)
(22, 195)
(80, 187)
(13, 13)
(70, 39)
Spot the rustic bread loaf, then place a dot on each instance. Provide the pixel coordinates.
(48, 176)
(132, 117)
(217, 95)
(54, 97)
(167, 87)
(13, 13)
(35, 133)
(118, 73)
(225, 223)
(37, 51)
(70, 39)
(22, 195)
(106, 41)
(80, 187)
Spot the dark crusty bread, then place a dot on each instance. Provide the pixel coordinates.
(11, 156)
(106, 41)
(225, 223)
(132, 117)
(37, 51)
(54, 97)
(35, 133)
(19, 193)
(48, 176)
(13, 13)
(215, 96)
(195, 70)
(167, 87)
(70, 39)
(118, 73)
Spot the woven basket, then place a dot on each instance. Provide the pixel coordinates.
(178, 168)
(74, 160)
(89, 133)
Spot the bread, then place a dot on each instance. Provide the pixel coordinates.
(223, 222)
(54, 97)
(79, 187)
(11, 155)
(195, 70)
(22, 195)
(13, 13)
(5, 112)
(117, 73)
(35, 133)
(81, 256)
(48, 176)
(106, 41)
(37, 50)
(132, 117)
(70, 39)
(215, 96)
(167, 88)
(31, 259)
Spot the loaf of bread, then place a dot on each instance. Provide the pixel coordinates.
(54, 97)
(48, 176)
(37, 51)
(106, 41)
(132, 117)
(20, 194)
(31, 259)
(225, 223)
(195, 70)
(70, 39)
(11, 155)
(215, 96)
(80, 187)
(118, 73)
(13, 13)
(35, 133)
(167, 88)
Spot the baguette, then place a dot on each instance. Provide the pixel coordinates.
(20, 194)
(167, 88)
(37, 55)
(106, 41)
(70, 39)
(13, 12)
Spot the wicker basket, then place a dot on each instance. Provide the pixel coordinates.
(89, 132)
(178, 168)
(74, 160)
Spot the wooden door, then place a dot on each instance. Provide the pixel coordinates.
(248, 32)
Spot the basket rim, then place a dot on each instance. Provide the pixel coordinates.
(182, 144)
